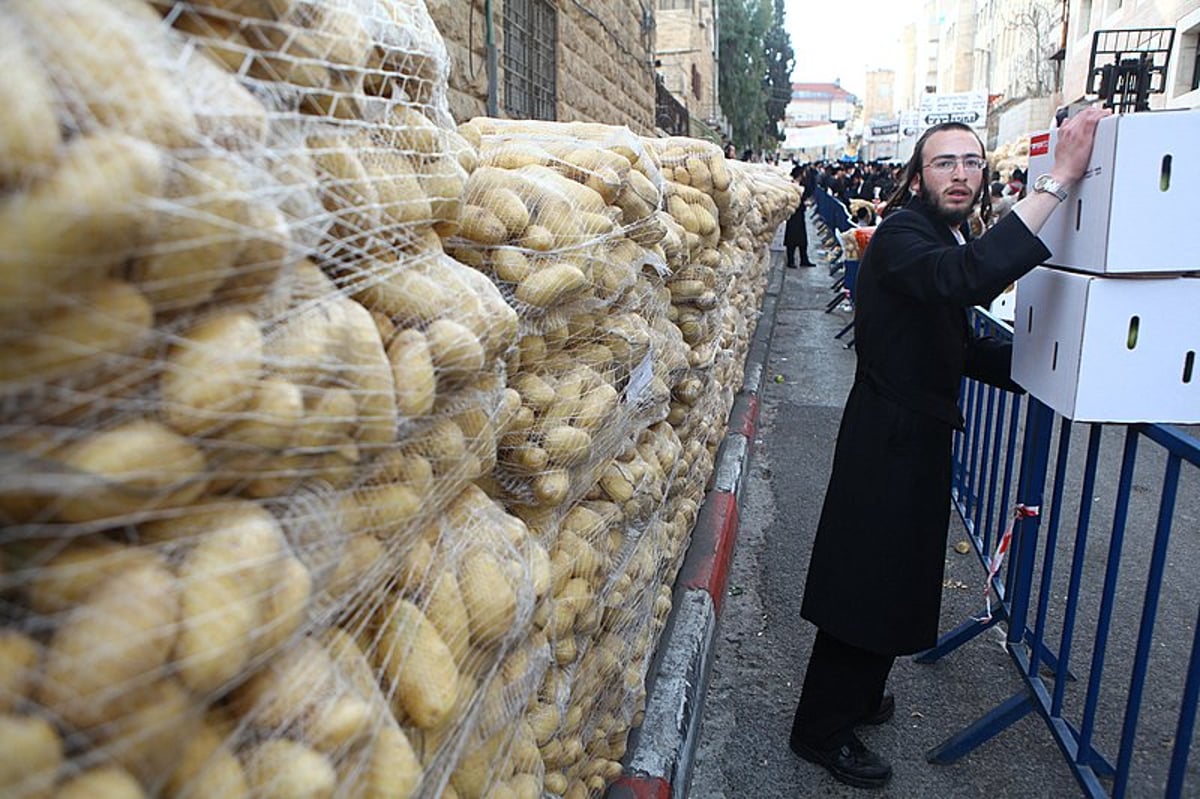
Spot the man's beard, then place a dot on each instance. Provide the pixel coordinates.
(952, 218)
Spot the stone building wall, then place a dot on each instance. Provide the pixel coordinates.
(604, 60)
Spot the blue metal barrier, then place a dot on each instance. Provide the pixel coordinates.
(835, 215)
(1046, 611)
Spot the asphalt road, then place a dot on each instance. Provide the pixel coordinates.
(763, 644)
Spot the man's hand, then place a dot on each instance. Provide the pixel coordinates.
(1073, 150)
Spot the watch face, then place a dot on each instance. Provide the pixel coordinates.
(1048, 184)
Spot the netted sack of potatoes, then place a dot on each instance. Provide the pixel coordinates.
(608, 159)
(425, 661)
(602, 619)
(697, 164)
(562, 223)
(118, 645)
(125, 158)
(356, 99)
(326, 58)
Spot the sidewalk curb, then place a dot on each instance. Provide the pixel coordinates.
(658, 764)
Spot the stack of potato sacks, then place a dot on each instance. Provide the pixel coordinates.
(245, 398)
(762, 196)
(339, 450)
(564, 218)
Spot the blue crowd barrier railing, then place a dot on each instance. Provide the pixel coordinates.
(832, 212)
(1125, 620)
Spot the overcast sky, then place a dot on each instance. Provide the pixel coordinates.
(842, 39)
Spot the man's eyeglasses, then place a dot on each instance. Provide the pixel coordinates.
(946, 163)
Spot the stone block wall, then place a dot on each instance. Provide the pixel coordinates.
(604, 60)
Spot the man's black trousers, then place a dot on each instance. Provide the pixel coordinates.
(842, 686)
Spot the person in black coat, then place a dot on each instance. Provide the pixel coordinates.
(875, 579)
(795, 232)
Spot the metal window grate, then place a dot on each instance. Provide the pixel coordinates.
(530, 47)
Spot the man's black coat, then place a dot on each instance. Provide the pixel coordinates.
(875, 579)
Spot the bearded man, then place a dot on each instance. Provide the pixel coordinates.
(875, 579)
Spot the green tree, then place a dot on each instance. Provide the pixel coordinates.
(743, 68)
(780, 58)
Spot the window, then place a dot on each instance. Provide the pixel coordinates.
(530, 50)
(1196, 70)
(697, 83)
(675, 5)
(1085, 16)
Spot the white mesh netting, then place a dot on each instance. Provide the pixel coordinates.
(346, 453)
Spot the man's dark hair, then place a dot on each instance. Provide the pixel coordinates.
(797, 171)
(901, 195)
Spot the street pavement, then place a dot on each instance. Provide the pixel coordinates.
(762, 643)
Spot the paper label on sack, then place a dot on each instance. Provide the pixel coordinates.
(639, 380)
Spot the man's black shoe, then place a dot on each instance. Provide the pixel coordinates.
(791, 266)
(807, 263)
(883, 713)
(853, 763)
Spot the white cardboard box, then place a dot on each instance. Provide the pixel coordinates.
(1005, 305)
(1105, 349)
(1133, 209)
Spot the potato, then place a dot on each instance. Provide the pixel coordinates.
(384, 510)
(488, 595)
(401, 196)
(475, 776)
(219, 612)
(66, 580)
(525, 458)
(211, 371)
(283, 769)
(19, 656)
(104, 782)
(145, 738)
(329, 419)
(346, 190)
(445, 186)
(29, 133)
(206, 767)
(508, 207)
(228, 581)
(130, 467)
(371, 375)
(551, 487)
(290, 685)
(272, 418)
(84, 216)
(413, 371)
(538, 238)
(285, 606)
(265, 250)
(567, 446)
(99, 325)
(448, 613)
(390, 769)
(418, 665)
(123, 633)
(456, 352)
(105, 58)
(482, 225)
(30, 758)
(194, 243)
(362, 564)
(552, 285)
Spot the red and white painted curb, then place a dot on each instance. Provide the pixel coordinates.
(658, 764)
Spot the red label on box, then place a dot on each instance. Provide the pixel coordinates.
(1039, 144)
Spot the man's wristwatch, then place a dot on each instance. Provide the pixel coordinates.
(1049, 185)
